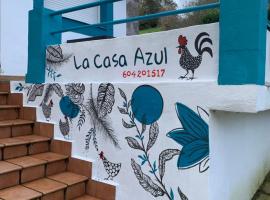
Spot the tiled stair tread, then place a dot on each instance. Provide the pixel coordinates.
(6, 142)
(19, 193)
(9, 106)
(86, 197)
(15, 122)
(50, 156)
(6, 167)
(27, 161)
(45, 185)
(4, 93)
(68, 178)
(33, 138)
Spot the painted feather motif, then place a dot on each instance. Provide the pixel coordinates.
(105, 99)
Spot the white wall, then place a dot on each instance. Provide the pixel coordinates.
(14, 33)
(239, 152)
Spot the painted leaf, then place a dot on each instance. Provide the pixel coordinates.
(133, 143)
(75, 91)
(122, 93)
(105, 99)
(182, 195)
(37, 90)
(145, 181)
(57, 89)
(153, 135)
(171, 194)
(192, 154)
(204, 165)
(122, 110)
(54, 53)
(192, 122)
(181, 136)
(165, 156)
(126, 125)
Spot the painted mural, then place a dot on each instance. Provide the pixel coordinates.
(137, 110)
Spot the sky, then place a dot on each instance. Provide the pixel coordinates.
(180, 2)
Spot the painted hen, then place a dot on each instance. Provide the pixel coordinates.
(112, 169)
(187, 60)
(64, 127)
(47, 110)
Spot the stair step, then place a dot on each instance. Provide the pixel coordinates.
(15, 122)
(57, 163)
(13, 148)
(9, 174)
(38, 144)
(19, 193)
(75, 183)
(17, 127)
(9, 112)
(86, 197)
(4, 98)
(50, 189)
(32, 168)
(21, 146)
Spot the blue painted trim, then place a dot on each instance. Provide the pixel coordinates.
(138, 18)
(106, 15)
(39, 37)
(95, 31)
(242, 42)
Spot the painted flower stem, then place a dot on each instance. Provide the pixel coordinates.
(147, 155)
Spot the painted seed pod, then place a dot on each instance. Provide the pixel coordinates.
(68, 108)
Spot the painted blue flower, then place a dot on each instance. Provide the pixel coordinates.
(194, 138)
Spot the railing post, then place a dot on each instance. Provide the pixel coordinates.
(106, 14)
(242, 42)
(39, 37)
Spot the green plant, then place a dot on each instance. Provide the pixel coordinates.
(210, 17)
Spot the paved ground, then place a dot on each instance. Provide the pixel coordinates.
(264, 192)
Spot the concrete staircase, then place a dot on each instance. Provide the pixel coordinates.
(35, 166)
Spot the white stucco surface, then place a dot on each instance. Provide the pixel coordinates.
(239, 152)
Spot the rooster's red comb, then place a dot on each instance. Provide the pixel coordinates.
(182, 40)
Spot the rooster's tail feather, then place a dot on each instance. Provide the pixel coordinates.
(199, 43)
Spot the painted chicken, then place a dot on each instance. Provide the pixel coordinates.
(64, 127)
(47, 110)
(187, 60)
(112, 169)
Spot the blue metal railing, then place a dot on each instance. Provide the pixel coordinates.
(139, 18)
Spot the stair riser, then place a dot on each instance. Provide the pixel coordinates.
(9, 114)
(59, 195)
(15, 131)
(9, 179)
(56, 167)
(22, 130)
(4, 87)
(3, 99)
(75, 191)
(15, 99)
(14, 151)
(37, 148)
(32, 173)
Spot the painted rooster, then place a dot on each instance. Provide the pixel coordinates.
(112, 169)
(187, 60)
(47, 110)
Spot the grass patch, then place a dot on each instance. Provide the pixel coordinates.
(150, 30)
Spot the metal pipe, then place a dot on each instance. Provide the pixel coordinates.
(145, 17)
(84, 6)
